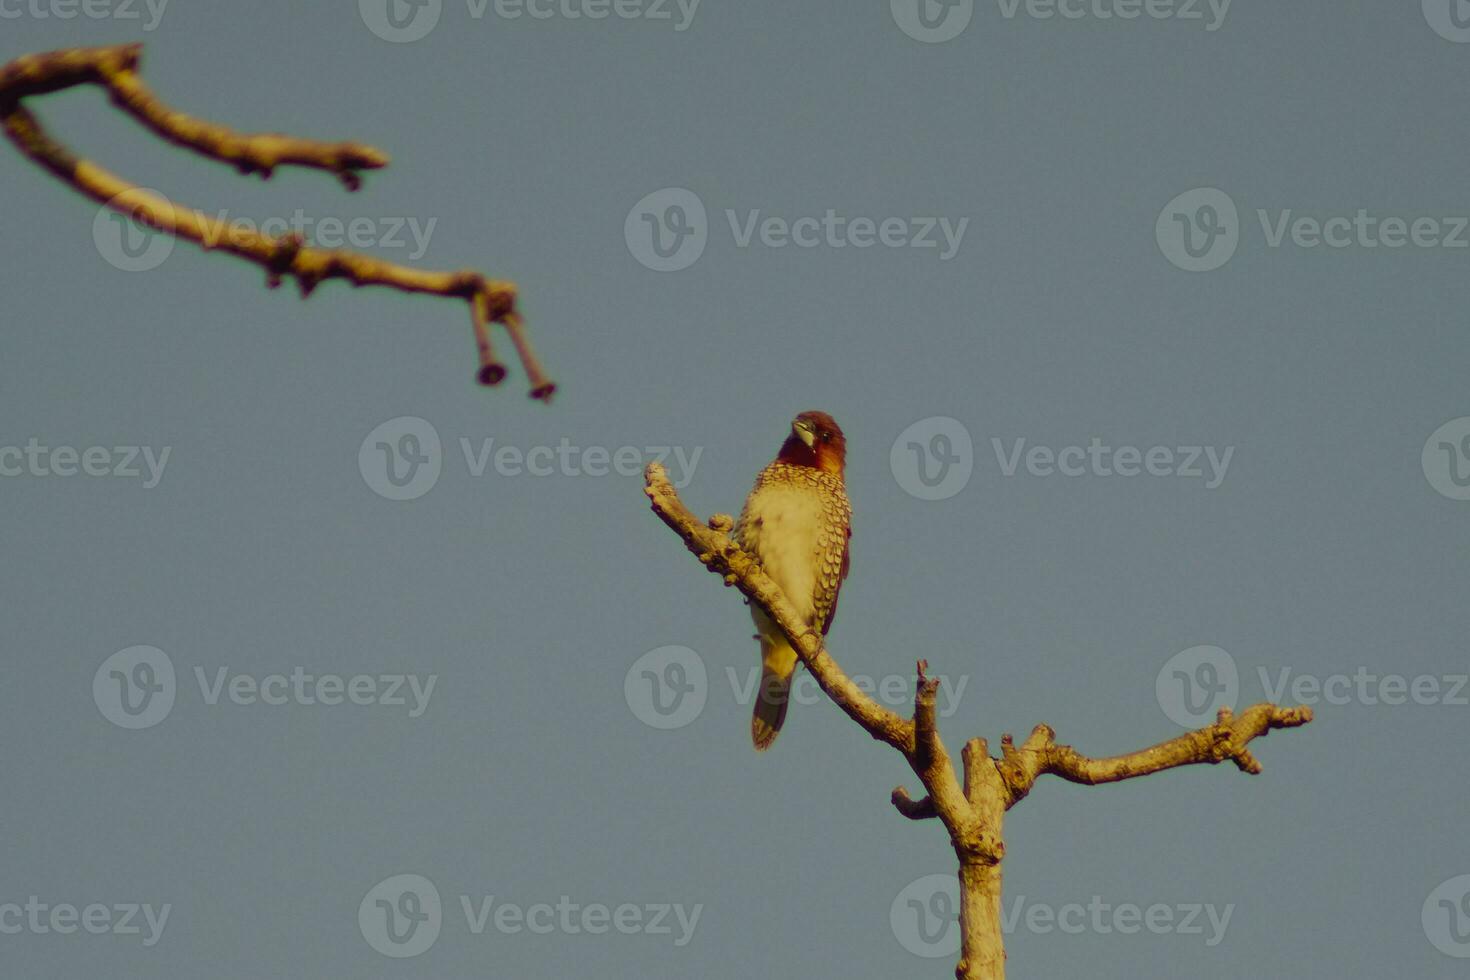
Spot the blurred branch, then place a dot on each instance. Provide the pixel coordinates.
(115, 69)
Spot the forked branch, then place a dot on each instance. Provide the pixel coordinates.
(972, 813)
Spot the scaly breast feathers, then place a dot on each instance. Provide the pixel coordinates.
(788, 529)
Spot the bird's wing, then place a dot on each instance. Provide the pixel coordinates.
(841, 577)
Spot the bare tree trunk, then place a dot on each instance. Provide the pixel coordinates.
(982, 945)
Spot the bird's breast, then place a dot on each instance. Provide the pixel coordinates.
(782, 527)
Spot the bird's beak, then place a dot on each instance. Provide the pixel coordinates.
(804, 432)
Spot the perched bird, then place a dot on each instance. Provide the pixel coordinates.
(796, 522)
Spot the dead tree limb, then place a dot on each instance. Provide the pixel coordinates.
(972, 812)
(115, 69)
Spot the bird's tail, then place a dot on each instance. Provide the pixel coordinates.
(778, 663)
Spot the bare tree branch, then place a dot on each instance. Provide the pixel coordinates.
(973, 814)
(1227, 739)
(711, 544)
(920, 809)
(115, 70)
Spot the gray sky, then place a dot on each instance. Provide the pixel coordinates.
(1268, 461)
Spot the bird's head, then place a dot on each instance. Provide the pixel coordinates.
(816, 440)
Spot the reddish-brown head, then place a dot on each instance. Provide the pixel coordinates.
(816, 441)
